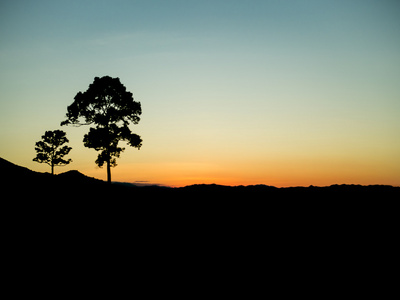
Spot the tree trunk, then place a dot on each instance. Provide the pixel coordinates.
(108, 156)
(108, 171)
(52, 161)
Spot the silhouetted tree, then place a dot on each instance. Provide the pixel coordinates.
(49, 151)
(110, 107)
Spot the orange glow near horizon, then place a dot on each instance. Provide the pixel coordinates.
(291, 173)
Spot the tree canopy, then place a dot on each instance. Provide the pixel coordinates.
(110, 108)
(49, 149)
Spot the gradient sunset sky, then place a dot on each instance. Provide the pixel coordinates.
(282, 93)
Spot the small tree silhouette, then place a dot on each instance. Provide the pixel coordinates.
(110, 107)
(49, 151)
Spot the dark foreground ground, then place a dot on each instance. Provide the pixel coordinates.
(75, 225)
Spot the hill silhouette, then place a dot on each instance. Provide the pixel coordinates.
(18, 180)
(21, 180)
(74, 205)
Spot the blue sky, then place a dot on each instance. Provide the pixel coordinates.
(275, 88)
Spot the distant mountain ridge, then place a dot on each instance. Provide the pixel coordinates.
(23, 181)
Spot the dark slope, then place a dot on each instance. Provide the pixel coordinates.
(11, 171)
(16, 181)
(14, 178)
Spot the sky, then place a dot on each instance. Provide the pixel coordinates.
(283, 93)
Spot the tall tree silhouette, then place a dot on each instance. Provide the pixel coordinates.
(49, 149)
(110, 108)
